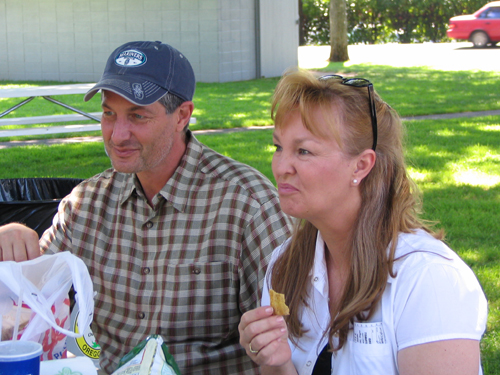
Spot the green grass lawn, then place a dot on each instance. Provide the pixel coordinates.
(456, 163)
(412, 91)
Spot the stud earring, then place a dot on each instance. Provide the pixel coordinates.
(355, 181)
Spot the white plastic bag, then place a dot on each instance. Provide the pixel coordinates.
(42, 285)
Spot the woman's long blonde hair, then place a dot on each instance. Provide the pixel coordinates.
(390, 201)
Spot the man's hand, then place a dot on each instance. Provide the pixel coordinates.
(18, 242)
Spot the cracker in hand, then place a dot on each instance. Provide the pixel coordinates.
(278, 303)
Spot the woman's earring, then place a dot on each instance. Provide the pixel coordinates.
(355, 181)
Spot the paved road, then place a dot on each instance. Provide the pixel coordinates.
(446, 56)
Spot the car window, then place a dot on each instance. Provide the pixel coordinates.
(493, 12)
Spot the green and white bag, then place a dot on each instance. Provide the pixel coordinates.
(150, 357)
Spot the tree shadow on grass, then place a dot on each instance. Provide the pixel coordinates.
(254, 148)
(233, 104)
(469, 216)
(414, 91)
(448, 150)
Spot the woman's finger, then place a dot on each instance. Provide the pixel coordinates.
(275, 329)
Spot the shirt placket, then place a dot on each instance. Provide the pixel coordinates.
(149, 229)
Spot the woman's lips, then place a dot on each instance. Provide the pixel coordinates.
(286, 189)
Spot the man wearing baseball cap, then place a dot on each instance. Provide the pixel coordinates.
(176, 237)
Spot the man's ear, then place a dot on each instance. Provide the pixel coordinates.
(364, 164)
(184, 112)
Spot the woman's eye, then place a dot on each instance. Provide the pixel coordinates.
(303, 152)
(278, 148)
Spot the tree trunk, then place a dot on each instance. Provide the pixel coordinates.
(302, 34)
(338, 31)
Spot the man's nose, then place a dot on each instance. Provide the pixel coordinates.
(121, 130)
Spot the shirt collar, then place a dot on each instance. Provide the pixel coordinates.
(130, 186)
(178, 188)
(319, 274)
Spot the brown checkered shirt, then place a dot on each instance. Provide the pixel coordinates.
(186, 269)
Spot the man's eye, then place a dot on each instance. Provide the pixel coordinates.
(137, 116)
(303, 152)
(278, 148)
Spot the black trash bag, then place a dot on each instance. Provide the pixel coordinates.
(33, 201)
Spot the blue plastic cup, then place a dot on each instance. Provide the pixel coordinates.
(20, 358)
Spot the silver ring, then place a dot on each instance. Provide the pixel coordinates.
(251, 350)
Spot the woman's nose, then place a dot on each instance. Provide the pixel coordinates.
(282, 164)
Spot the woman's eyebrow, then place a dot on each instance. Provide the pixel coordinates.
(297, 142)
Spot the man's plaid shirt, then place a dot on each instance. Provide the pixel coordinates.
(186, 269)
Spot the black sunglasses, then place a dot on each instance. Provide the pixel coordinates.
(360, 82)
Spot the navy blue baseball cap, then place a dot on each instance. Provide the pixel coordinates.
(143, 72)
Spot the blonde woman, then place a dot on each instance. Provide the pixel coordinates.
(370, 287)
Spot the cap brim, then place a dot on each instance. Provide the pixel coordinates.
(145, 93)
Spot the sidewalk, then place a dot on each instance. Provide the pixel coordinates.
(54, 141)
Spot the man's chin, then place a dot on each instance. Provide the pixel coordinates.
(127, 164)
(124, 168)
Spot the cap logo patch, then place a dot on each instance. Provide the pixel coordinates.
(130, 58)
(138, 91)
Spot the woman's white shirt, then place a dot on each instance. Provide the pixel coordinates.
(434, 296)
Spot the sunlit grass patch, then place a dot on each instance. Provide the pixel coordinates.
(476, 178)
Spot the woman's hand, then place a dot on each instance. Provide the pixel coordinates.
(265, 339)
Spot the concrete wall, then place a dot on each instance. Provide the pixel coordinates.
(279, 36)
(70, 40)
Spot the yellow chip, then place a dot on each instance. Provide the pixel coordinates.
(278, 303)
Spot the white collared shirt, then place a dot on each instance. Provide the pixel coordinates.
(434, 296)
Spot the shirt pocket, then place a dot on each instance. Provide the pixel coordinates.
(200, 300)
(371, 351)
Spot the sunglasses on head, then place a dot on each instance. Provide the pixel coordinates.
(360, 82)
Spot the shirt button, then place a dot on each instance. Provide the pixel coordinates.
(196, 271)
(146, 270)
(149, 224)
(309, 363)
(141, 315)
(316, 278)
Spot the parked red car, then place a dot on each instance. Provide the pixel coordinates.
(482, 28)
